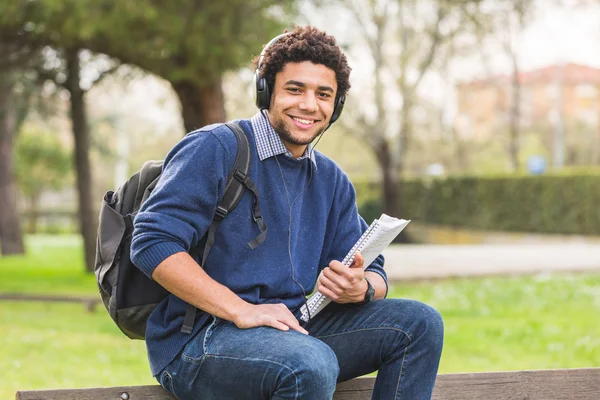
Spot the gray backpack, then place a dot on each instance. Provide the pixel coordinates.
(127, 293)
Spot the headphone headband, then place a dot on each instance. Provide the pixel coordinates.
(264, 50)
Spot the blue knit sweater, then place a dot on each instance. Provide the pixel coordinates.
(324, 225)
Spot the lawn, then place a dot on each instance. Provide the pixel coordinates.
(543, 321)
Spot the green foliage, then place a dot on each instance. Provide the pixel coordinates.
(555, 203)
(41, 162)
(182, 40)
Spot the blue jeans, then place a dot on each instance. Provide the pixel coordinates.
(402, 339)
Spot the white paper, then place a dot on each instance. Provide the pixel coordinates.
(370, 245)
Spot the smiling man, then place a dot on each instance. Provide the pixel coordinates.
(245, 340)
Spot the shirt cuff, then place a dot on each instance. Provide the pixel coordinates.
(147, 260)
(383, 275)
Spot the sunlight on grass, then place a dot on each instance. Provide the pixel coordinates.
(536, 322)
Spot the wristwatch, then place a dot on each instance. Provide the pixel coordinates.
(370, 293)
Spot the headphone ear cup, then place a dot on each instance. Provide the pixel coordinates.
(263, 97)
(337, 111)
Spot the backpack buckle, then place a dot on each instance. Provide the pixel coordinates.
(257, 216)
(220, 213)
(240, 176)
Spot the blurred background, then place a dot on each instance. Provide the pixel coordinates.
(479, 120)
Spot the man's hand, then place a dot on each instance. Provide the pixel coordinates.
(277, 316)
(342, 284)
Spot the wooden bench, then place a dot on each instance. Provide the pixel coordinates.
(563, 384)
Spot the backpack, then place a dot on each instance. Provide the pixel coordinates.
(127, 293)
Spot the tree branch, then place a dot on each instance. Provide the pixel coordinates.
(104, 74)
(437, 39)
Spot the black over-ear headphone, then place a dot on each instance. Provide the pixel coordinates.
(263, 94)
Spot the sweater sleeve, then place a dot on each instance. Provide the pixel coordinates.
(180, 209)
(350, 227)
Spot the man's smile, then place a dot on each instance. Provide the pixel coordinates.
(303, 122)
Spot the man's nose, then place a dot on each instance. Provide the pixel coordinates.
(309, 102)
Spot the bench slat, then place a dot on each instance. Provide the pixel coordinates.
(572, 384)
(151, 392)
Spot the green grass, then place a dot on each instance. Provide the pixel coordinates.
(543, 321)
(53, 264)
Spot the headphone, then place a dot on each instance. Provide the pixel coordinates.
(263, 94)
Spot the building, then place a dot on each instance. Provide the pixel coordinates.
(570, 91)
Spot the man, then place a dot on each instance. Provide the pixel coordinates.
(247, 341)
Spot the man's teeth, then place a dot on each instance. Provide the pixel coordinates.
(304, 121)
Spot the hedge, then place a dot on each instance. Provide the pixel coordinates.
(567, 203)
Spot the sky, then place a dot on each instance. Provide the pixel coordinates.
(558, 34)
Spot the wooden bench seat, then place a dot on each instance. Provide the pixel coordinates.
(563, 384)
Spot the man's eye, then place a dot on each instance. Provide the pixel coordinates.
(294, 90)
(325, 95)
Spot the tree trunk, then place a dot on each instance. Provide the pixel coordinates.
(87, 217)
(515, 115)
(399, 164)
(200, 105)
(389, 182)
(391, 186)
(11, 237)
(33, 213)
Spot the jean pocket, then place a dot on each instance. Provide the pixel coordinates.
(195, 350)
(166, 381)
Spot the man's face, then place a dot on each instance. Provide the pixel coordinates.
(302, 103)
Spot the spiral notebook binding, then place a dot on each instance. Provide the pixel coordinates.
(314, 304)
(360, 243)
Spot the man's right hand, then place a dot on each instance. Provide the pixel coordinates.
(277, 316)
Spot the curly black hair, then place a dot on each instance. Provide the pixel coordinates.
(305, 44)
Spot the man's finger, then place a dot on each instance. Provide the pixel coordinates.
(359, 261)
(330, 284)
(327, 293)
(274, 323)
(293, 323)
(334, 277)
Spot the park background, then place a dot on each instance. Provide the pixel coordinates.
(479, 120)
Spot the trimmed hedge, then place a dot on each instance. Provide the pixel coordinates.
(567, 204)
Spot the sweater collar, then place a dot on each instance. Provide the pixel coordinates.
(268, 142)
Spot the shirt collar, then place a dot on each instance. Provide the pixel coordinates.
(268, 142)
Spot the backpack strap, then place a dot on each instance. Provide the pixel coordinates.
(237, 181)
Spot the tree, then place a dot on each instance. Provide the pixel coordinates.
(507, 22)
(11, 238)
(41, 163)
(187, 42)
(403, 40)
(15, 91)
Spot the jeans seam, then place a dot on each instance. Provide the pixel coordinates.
(207, 335)
(170, 388)
(258, 360)
(407, 334)
(192, 360)
(401, 371)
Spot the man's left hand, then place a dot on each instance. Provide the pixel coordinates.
(342, 284)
